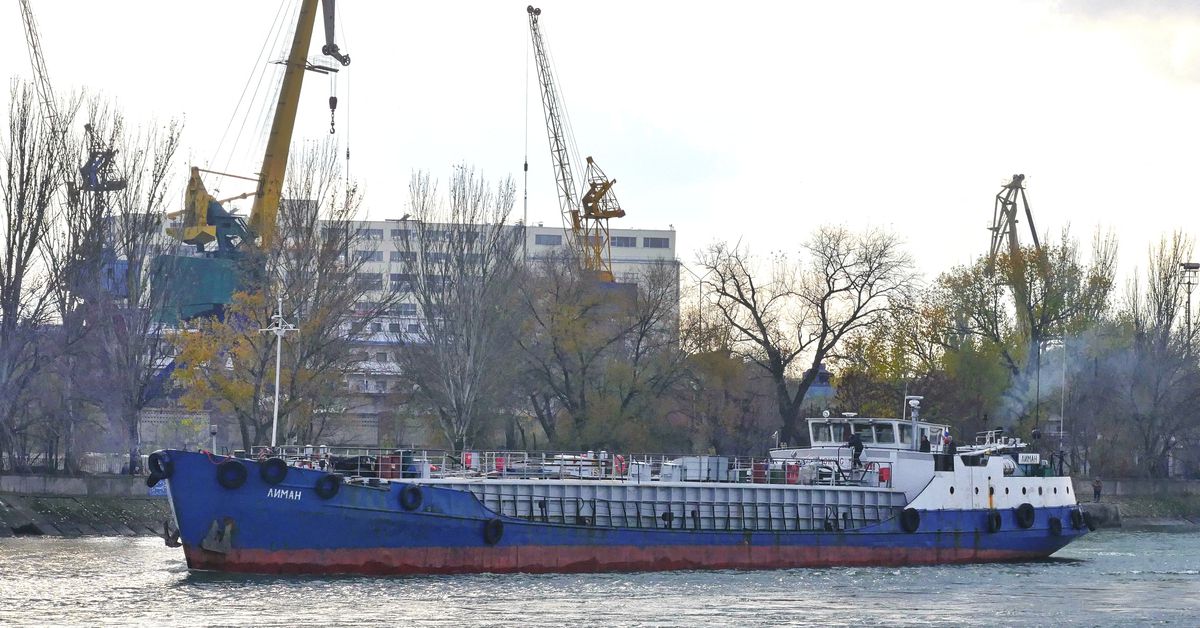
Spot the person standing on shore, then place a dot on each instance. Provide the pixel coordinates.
(1097, 485)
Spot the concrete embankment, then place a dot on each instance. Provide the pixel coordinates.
(1142, 502)
(93, 505)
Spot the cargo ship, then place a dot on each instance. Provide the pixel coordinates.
(309, 510)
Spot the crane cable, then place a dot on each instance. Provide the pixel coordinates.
(258, 69)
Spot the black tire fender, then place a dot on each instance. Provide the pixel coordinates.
(994, 521)
(493, 531)
(231, 474)
(1025, 515)
(161, 465)
(1055, 526)
(411, 497)
(910, 520)
(273, 470)
(1089, 521)
(327, 485)
(1077, 519)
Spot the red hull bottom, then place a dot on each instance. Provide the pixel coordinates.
(579, 559)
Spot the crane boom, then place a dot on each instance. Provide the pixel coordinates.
(205, 220)
(41, 78)
(587, 216)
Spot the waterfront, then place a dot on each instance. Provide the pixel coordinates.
(1108, 578)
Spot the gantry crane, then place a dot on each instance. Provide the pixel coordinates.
(205, 220)
(95, 174)
(585, 217)
(1004, 228)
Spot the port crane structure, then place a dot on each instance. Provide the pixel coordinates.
(205, 220)
(1009, 201)
(586, 215)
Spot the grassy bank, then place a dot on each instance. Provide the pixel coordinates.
(1157, 506)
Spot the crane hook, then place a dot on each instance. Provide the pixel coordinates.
(332, 109)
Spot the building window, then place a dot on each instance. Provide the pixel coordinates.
(381, 357)
(414, 328)
(406, 309)
(656, 243)
(368, 256)
(399, 234)
(379, 385)
(402, 281)
(435, 257)
(376, 327)
(403, 256)
(369, 281)
(394, 327)
(371, 234)
(624, 242)
(547, 239)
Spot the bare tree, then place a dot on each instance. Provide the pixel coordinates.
(463, 268)
(803, 310)
(1158, 383)
(33, 156)
(78, 255)
(132, 342)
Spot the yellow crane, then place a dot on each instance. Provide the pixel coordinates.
(207, 282)
(585, 216)
(204, 217)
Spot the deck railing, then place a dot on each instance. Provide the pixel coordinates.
(396, 464)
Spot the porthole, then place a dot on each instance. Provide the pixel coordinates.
(951, 490)
(1006, 490)
(1068, 489)
(1039, 490)
(991, 490)
(976, 490)
(1056, 490)
(1023, 490)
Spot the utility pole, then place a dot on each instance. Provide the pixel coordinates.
(280, 328)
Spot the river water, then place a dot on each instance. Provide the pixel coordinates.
(1108, 578)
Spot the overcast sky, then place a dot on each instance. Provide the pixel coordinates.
(751, 121)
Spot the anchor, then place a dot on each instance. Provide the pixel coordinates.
(170, 535)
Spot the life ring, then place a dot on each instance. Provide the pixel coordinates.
(493, 530)
(160, 464)
(1077, 519)
(1025, 514)
(411, 497)
(993, 521)
(327, 485)
(231, 474)
(910, 520)
(619, 465)
(1055, 526)
(273, 471)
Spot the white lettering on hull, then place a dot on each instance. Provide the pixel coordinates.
(283, 493)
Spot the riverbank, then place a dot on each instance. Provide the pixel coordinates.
(1142, 502)
(33, 505)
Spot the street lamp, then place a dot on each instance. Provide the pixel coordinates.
(699, 291)
(1190, 269)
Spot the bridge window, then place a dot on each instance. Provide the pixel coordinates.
(885, 433)
(906, 433)
(864, 432)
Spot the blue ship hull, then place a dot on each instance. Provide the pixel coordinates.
(289, 528)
